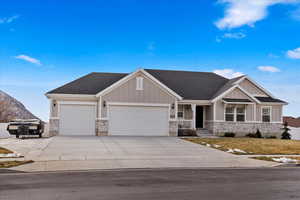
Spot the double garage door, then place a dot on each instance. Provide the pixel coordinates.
(123, 120)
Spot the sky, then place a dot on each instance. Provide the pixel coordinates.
(47, 43)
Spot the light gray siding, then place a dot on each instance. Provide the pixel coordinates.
(237, 94)
(249, 112)
(209, 113)
(251, 88)
(219, 110)
(276, 113)
(127, 93)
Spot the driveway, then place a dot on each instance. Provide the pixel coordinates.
(89, 152)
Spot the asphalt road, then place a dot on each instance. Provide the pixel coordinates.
(163, 184)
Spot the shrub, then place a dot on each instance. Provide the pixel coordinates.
(271, 137)
(228, 134)
(258, 134)
(286, 135)
(254, 135)
(187, 132)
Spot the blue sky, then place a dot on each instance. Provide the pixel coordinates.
(44, 44)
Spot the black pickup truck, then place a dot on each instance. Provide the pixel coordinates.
(26, 127)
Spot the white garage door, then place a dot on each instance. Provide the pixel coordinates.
(77, 119)
(138, 121)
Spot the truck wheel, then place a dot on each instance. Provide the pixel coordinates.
(40, 135)
(17, 136)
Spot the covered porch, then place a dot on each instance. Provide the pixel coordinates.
(193, 115)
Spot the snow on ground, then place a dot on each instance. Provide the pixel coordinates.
(284, 160)
(3, 131)
(10, 155)
(236, 151)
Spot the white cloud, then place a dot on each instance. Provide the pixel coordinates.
(268, 69)
(7, 20)
(294, 54)
(238, 35)
(29, 59)
(246, 12)
(228, 73)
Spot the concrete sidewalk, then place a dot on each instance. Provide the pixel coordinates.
(82, 153)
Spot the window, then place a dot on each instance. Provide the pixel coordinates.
(139, 83)
(180, 114)
(240, 114)
(180, 111)
(229, 114)
(266, 114)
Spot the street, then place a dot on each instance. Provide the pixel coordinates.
(221, 183)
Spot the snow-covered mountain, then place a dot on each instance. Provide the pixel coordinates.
(10, 109)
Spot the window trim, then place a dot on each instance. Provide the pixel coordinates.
(235, 113)
(261, 113)
(180, 111)
(244, 113)
(225, 113)
(139, 83)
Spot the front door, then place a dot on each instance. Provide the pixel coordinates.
(199, 116)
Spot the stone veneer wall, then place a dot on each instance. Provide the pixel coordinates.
(173, 128)
(101, 127)
(242, 129)
(53, 127)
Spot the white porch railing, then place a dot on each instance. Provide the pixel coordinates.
(185, 124)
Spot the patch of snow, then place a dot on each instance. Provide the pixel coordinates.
(217, 146)
(239, 151)
(10, 155)
(284, 160)
(236, 151)
(208, 145)
(230, 151)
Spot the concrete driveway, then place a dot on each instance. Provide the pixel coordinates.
(89, 152)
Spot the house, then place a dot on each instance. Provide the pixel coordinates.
(294, 126)
(152, 102)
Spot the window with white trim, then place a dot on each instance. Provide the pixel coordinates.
(180, 113)
(240, 113)
(266, 114)
(229, 113)
(139, 83)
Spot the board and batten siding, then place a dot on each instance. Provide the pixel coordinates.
(237, 94)
(251, 88)
(127, 93)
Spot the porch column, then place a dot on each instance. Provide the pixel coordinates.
(194, 116)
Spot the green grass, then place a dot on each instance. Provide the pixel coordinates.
(8, 164)
(253, 145)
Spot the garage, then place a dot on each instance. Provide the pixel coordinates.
(138, 120)
(77, 119)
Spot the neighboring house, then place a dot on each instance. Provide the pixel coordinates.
(294, 125)
(151, 102)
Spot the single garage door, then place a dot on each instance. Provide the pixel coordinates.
(138, 121)
(77, 119)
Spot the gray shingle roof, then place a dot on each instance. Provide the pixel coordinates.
(230, 100)
(89, 84)
(190, 85)
(269, 100)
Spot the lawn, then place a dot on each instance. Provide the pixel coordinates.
(252, 145)
(8, 164)
(4, 151)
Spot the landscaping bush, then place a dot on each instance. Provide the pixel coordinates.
(254, 135)
(271, 137)
(286, 135)
(258, 134)
(187, 132)
(228, 134)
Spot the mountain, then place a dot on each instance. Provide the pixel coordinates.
(10, 109)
